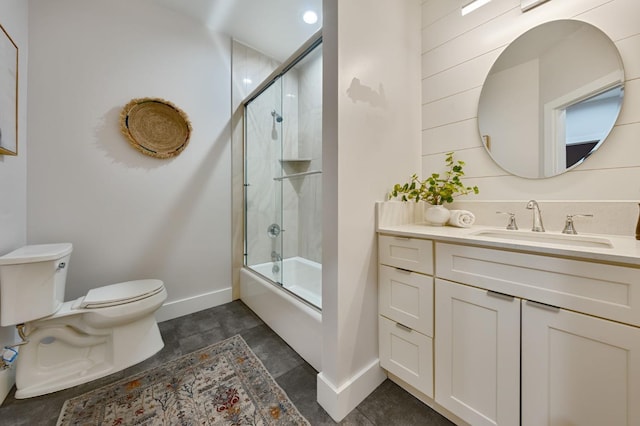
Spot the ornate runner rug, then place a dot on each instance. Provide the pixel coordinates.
(223, 384)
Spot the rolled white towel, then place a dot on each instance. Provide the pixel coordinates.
(461, 218)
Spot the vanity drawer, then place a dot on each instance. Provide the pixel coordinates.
(603, 290)
(412, 254)
(406, 297)
(407, 354)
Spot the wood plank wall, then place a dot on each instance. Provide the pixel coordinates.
(457, 53)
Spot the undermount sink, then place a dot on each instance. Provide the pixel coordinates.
(545, 238)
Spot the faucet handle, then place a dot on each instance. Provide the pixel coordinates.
(512, 220)
(568, 226)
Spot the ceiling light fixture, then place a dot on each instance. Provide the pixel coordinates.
(310, 17)
(475, 4)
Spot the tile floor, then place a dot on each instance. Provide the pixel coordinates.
(387, 405)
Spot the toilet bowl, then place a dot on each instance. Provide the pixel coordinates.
(73, 342)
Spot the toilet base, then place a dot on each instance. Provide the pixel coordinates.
(58, 357)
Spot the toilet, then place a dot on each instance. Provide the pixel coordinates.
(74, 342)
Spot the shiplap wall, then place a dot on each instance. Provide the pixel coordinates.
(457, 53)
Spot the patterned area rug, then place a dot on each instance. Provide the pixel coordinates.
(223, 384)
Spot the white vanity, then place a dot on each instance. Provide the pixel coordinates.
(507, 327)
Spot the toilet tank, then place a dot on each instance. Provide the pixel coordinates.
(32, 281)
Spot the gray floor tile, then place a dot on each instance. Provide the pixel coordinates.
(390, 405)
(277, 357)
(300, 386)
(386, 406)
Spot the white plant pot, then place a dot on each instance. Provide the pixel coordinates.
(436, 215)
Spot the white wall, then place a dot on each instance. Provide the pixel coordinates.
(371, 137)
(457, 55)
(13, 169)
(129, 216)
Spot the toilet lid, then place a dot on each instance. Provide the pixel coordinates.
(121, 293)
(37, 253)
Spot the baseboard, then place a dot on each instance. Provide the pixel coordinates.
(189, 305)
(339, 401)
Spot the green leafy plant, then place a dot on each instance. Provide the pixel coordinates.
(435, 189)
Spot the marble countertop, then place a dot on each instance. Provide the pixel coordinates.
(598, 247)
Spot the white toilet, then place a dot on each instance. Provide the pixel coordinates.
(69, 343)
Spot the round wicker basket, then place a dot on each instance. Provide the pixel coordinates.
(155, 127)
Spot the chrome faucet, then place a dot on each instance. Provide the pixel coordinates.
(537, 217)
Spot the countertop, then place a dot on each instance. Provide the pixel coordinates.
(623, 250)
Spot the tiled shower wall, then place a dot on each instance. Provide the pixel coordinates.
(310, 147)
(299, 100)
(249, 68)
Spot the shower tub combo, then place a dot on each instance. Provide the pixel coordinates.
(281, 280)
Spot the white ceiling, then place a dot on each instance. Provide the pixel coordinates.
(273, 27)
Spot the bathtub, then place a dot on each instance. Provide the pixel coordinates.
(298, 323)
(300, 276)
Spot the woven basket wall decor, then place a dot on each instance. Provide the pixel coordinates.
(155, 127)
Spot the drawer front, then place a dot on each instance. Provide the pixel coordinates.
(412, 254)
(407, 354)
(607, 291)
(406, 297)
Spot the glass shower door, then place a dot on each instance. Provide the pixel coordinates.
(283, 179)
(263, 188)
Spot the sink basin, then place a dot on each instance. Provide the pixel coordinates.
(545, 238)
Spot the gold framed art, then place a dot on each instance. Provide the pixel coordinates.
(8, 94)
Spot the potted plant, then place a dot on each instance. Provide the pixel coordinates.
(436, 190)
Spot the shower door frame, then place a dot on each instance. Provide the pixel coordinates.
(275, 76)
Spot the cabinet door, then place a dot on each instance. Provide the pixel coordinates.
(578, 369)
(477, 354)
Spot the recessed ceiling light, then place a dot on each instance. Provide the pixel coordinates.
(310, 17)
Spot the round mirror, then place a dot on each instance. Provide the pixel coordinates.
(551, 98)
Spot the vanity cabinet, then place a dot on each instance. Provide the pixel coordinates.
(406, 310)
(504, 358)
(511, 337)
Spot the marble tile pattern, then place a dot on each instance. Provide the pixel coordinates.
(388, 405)
(296, 204)
(249, 68)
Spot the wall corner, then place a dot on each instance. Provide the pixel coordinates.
(338, 401)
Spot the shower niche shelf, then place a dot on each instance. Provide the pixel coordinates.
(295, 166)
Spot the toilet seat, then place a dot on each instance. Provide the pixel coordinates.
(119, 294)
